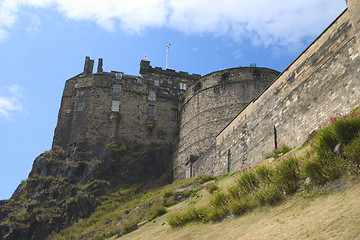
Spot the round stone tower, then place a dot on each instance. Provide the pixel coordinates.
(209, 105)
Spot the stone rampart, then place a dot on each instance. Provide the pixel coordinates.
(210, 104)
(321, 82)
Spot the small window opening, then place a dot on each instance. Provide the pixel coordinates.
(156, 83)
(182, 86)
(152, 96)
(174, 115)
(150, 111)
(118, 76)
(115, 106)
(225, 77)
(81, 105)
(138, 80)
(117, 89)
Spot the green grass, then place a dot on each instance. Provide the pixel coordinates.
(267, 184)
(271, 184)
(282, 149)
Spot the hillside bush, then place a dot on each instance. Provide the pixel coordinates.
(205, 178)
(264, 173)
(282, 149)
(352, 151)
(190, 215)
(211, 187)
(248, 181)
(286, 174)
(156, 211)
(268, 194)
(242, 205)
(342, 131)
(215, 214)
(220, 200)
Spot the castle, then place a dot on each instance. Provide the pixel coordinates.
(222, 121)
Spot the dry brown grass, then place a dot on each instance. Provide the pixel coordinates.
(332, 216)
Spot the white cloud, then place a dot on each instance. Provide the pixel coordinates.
(263, 22)
(10, 101)
(35, 22)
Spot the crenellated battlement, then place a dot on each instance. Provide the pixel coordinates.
(145, 67)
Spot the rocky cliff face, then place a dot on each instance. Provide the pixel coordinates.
(62, 188)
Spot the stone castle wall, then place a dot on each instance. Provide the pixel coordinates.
(222, 127)
(321, 82)
(209, 105)
(97, 109)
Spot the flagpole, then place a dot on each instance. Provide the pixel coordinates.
(167, 55)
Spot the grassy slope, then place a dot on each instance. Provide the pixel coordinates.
(332, 216)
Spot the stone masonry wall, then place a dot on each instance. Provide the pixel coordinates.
(321, 82)
(101, 108)
(210, 104)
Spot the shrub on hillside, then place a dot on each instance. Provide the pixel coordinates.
(264, 173)
(242, 205)
(215, 213)
(282, 149)
(205, 178)
(211, 187)
(190, 215)
(268, 194)
(341, 129)
(286, 174)
(220, 200)
(352, 151)
(156, 211)
(248, 181)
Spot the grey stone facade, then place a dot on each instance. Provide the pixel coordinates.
(321, 82)
(209, 105)
(106, 107)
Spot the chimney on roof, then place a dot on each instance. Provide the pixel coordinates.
(100, 66)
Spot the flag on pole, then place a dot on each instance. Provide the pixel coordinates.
(167, 53)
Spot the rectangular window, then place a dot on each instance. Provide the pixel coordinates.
(152, 96)
(117, 89)
(182, 86)
(174, 115)
(150, 111)
(118, 76)
(80, 105)
(115, 106)
(156, 83)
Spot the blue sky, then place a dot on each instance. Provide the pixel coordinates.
(44, 42)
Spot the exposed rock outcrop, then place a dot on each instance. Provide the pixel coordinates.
(61, 188)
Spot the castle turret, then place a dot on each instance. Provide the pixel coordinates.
(144, 64)
(209, 105)
(88, 66)
(100, 66)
